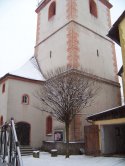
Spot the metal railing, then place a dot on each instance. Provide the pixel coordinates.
(9, 146)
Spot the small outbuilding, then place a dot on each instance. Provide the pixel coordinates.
(106, 134)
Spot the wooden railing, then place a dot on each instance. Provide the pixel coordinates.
(9, 146)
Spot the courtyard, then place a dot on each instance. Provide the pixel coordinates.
(74, 160)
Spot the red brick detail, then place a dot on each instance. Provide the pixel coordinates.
(75, 129)
(114, 62)
(106, 3)
(72, 47)
(37, 33)
(72, 35)
(71, 9)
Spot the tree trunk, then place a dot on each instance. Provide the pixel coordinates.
(67, 140)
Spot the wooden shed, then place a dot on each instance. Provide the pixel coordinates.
(106, 134)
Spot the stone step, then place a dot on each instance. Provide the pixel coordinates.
(26, 150)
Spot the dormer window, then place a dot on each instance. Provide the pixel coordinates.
(52, 10)
(93, 8)
(25, 99)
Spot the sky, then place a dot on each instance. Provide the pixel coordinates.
(18, 22)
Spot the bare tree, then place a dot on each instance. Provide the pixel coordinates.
(65, 94)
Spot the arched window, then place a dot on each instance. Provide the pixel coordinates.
(93, 8)
(52, 10)
(1, 120)
(49, 125)
(25, 99)
(3, 88)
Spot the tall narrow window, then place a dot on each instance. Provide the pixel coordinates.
(1, 120)
(98, 53)
(93, 8)
(52, 10)
(50, 54)
(49, 125)
(25, 99)
(3, 88)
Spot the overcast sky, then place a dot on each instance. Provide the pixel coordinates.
(18, 31)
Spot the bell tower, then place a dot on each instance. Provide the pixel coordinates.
(73, 33)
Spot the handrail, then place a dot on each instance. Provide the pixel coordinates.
(9, 146)
(16, 141)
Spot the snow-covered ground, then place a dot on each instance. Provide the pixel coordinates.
(78, 160)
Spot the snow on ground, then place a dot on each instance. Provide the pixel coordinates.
(76, 160)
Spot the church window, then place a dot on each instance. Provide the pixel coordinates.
(1, 120)
(3, 88)
(25, 99)
(49, 125)
(93, 8)
(52, 10)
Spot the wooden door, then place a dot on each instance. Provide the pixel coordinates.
(91, 134)
(23, 133)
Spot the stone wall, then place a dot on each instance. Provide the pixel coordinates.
(74, 147)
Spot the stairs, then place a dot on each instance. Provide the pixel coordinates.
(26, 150)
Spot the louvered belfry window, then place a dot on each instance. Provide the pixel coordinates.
(52, 10)
(93, 8)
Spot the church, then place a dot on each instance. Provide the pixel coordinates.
(69, 33)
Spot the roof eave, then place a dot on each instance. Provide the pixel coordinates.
(114, 31)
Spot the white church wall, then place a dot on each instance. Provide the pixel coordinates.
(98, 52)
(47, 27)
(25, 113)
(56, 126)
(53, 52)
(4, 100)
(28, 113)
(106, 98)
(55, 49)
(100, 24)
(81, 42)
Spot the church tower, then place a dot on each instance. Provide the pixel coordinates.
(73, 33)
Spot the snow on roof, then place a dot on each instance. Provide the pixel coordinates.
(29, 70)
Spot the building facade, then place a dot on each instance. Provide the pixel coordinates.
(69, 33)
(73, 33)
(117, 34)
(109, 125)
(18, 91)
